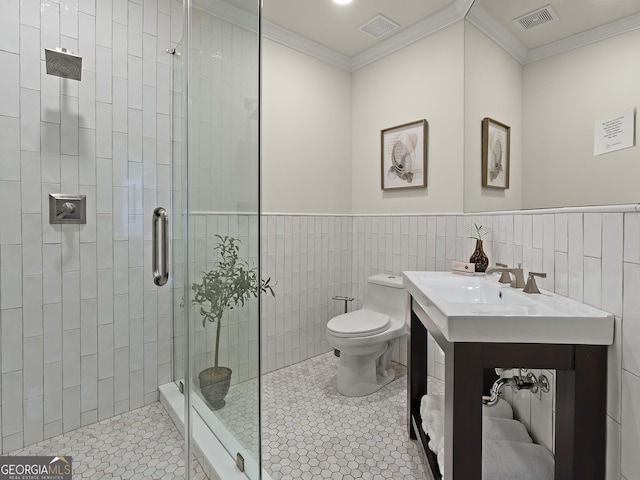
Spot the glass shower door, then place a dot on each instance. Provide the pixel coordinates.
(216, 225)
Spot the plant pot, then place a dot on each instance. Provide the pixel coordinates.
(214, 385)
(479, 258)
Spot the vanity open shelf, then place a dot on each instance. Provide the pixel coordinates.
(581, 373)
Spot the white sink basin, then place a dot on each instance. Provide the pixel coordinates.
(479, 309)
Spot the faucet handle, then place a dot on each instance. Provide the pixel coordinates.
(531, 286)
(536, 274)
(505, 276)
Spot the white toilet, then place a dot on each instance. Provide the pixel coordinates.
(366, 337)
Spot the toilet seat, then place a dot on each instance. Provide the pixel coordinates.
(360, 323)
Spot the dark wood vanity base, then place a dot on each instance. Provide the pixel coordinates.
(581, 397)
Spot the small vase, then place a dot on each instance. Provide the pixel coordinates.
(479, 258)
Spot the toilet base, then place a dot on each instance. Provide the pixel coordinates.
(360, 375)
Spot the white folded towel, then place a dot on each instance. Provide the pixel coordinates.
(430, 403)
(507, 449)
(434, 426)
(495, 428)
(432, 413)
(501, 409)
(440, 457)
(504, 460)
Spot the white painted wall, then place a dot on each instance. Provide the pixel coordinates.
(493, 88)
(552, 148)
(306, 133)
(422, 81)
(564, 95)
(321, 128)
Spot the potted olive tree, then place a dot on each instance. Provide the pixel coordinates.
(228, 285)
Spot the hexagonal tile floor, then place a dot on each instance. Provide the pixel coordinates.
(310, 431)
(137, 445)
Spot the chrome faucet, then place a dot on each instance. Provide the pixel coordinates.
(517, 275)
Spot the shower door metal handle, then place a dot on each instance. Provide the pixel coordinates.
(160, 242)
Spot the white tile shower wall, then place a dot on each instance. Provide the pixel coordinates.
(225, 88)
(79, 317)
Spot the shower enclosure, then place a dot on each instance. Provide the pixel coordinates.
(85, 335)
(215, 194)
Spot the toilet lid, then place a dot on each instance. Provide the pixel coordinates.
(360, 323)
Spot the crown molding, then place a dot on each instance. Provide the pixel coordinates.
(487, 24)
(446, 16)
(463, 6)
(452, 13)
(578, 40)
(292, 40)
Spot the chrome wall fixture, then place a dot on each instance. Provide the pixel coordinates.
(63, 63)
(344, 299)
(67, 209)
(517, 382)
(160, 246)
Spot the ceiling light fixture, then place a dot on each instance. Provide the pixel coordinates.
(342, 2)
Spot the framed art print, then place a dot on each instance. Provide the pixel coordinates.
(404, 156)
(496, 138)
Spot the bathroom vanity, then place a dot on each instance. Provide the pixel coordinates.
(479, 325)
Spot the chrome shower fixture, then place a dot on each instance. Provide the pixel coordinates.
(63, 63)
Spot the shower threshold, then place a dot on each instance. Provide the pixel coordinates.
(216, 461)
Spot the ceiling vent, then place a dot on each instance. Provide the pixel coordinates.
(378, 26)
(536, 18)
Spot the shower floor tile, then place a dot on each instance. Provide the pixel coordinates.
(310, 431)
(137, 445)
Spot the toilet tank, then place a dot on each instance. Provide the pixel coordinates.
(385, 293)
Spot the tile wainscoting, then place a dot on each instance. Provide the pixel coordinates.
(591, 255)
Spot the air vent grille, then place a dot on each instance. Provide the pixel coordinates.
(378, 26)
(536, 18)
